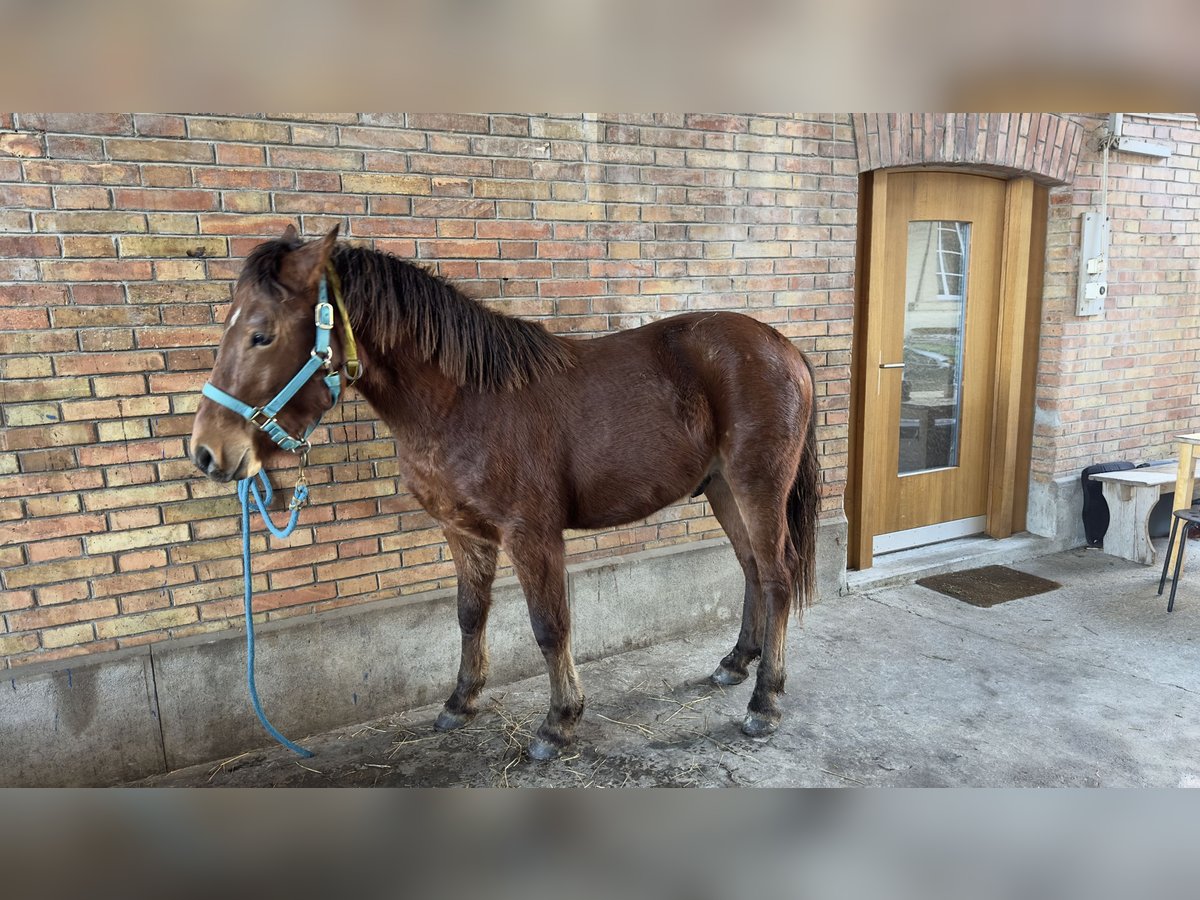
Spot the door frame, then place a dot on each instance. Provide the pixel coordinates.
(1014, 375)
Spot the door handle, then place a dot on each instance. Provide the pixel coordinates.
(891, 365)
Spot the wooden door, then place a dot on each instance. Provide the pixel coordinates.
(928, 392)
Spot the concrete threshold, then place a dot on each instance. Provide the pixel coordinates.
(906, 566)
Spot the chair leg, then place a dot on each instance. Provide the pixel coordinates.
(1167, 559)
(1178, 566)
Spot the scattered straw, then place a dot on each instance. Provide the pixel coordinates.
(843, 777)
(220, 767)
(689, 706)
(634, 725)
(412, 738)
(728, 748)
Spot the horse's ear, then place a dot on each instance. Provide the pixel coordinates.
(289, 234)
(327, 242)
(304, 267)
(324, 252)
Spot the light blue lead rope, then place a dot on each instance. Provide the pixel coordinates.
(245, 488)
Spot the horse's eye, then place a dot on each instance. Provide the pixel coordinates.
(258, 339)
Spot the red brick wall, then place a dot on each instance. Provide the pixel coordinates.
(1121, 385)
(119, 239)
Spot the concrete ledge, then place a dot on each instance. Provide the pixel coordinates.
(618, 605)
(1056, 510)
(93, 724)
(121, 716)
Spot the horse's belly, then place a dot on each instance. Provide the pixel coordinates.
(627, 496)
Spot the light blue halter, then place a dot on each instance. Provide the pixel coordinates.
(263, 417)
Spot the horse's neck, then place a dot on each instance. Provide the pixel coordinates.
(413, 397)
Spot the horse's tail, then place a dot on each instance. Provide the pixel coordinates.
(804, 507)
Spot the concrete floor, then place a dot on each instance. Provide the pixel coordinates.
(1091, 684)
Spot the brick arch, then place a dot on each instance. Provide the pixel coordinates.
(1044, 146)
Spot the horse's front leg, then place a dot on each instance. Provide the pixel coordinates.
(538, 560)
(475, 563)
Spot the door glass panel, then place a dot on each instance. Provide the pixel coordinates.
(935, 309)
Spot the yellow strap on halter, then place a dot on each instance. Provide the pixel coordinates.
(354, 369)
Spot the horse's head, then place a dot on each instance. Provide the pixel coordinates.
(269, 336)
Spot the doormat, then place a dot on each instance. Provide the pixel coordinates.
(989, 585)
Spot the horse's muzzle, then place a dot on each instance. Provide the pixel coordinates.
(206, 462)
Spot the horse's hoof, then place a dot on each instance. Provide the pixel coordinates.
(448, 721)
(727, 677)
(543, 751)
(758, 725)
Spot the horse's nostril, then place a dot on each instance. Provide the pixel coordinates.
(203, 459)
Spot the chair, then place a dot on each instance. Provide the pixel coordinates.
(1192, 517)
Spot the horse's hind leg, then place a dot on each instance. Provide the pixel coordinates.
(539, 564)
(764, 506)
(475, 563)
(735, 667)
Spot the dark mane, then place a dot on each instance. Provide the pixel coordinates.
(396, 302)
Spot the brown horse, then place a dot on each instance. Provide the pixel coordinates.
(508, 435)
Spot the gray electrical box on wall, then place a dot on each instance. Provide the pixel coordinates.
(1093, 264)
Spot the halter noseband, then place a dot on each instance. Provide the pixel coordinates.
(263, 417)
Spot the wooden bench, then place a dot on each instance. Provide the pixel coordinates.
(1131, 495)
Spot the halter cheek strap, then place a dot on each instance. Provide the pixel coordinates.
(264, 417)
